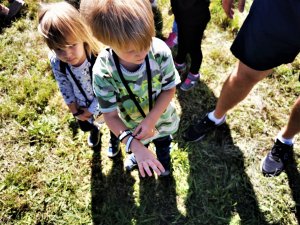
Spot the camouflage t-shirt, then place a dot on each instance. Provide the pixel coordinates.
(112, 94)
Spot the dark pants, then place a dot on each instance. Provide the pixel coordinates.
(189, 42)
(191, 18)
(86, 125)
(163, 147)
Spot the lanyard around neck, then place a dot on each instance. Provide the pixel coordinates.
(131, 95)
(91, 61)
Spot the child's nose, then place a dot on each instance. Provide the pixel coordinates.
(67, 53)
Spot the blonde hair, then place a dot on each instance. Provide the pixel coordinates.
(118, 23)
(60, 22)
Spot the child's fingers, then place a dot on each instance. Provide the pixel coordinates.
(241, 5)
(159, 166)
(155, 167)
(137, 130)
(228, 7)
(141, 169)
(147, 168)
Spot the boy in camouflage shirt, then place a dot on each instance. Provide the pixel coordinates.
(146, 65)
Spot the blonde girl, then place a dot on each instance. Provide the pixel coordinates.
(73, 49)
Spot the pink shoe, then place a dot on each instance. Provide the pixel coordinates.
(171, 41)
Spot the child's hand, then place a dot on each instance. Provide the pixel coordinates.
(146, 159)
(85, 115)
(146, 129)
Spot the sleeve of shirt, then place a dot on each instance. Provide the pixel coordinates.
(94, 107)
(104, 85)
(170, 76)
(64, 84)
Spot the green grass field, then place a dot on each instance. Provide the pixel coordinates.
(50, 176)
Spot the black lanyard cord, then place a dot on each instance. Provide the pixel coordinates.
(131, 95)
(91, 61)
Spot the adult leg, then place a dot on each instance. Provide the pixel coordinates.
(278, 157)
(293, 126)
(237, 87)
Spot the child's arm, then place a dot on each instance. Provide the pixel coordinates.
(144, 157)
(85, 115)
(146, 128)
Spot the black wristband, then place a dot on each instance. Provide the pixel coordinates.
(79, 112)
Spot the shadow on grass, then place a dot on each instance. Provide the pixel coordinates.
(158, 202)
(112, 194)
(220, 191)
(113, 201)
(294, 183)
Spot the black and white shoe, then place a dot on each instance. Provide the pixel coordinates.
(113, 146)
(94, 137)
(197, 131)
(276, 160)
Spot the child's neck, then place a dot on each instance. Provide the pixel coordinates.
(129, 66)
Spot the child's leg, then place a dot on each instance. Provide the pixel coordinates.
(85, 125)
(114, 146)
(194, 49)
(182, 45)
(163, 147)
(174, 27)
(94, 137)
(192, 41)
(193, 36)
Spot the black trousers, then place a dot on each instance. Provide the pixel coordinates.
(191, 18)
(163, 147)
(85, 125)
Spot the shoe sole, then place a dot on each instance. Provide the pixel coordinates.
(183, 89)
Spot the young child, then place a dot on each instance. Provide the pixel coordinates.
(73, 49)
(135, 80)
(191, 17)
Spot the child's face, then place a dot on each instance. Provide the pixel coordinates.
(131, 57)
(73, 53)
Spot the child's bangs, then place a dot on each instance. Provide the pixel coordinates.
(141, 40)
(61, 36)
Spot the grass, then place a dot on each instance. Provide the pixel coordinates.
(50, 176)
